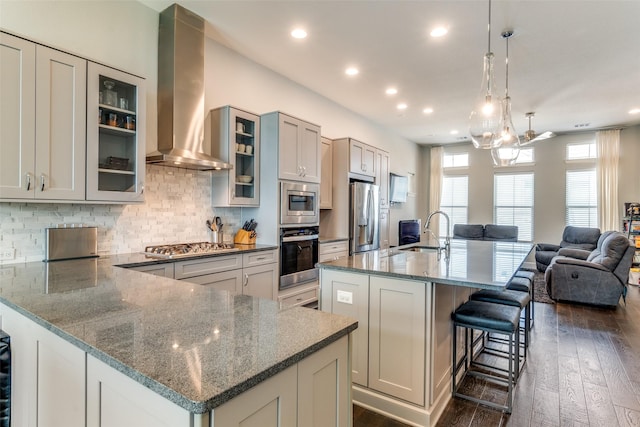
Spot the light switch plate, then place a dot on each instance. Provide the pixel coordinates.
(345, 297)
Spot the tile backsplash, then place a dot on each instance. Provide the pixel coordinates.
(177, 204)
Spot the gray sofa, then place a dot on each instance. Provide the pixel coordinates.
(598, 277)
(501, 233)
(585, 238)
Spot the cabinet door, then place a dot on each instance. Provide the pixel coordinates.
(162, 270)
(362, 158)
(230, 281)
(382, 177)
(309, 152)
(17, 117)
(272, 403)
(115, 400)
(323, 380)
(115, 135)
(288, 130)
(326, 181)
(348, 294)
(261, 281)
(384, 229)
(245, 176)
(396, 338)
(61, 84)
(48, 375)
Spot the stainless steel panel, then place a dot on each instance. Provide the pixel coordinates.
(69, 243)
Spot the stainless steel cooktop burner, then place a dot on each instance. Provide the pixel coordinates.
(178, 250)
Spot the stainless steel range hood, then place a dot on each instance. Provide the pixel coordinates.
(181, 93)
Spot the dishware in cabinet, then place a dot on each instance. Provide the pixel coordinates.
(235, 138)
(116, 108)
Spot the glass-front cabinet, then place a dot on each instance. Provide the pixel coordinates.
(116, 107)
(235, 137)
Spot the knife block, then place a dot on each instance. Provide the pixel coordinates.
(243, 237)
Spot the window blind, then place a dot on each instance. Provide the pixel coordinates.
(454, 201)
(582, 198)
(513, 202)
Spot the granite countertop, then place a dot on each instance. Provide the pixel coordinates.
(472, 263)
(195, 346)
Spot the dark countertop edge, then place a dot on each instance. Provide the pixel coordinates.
(151, 261)
(331, 239)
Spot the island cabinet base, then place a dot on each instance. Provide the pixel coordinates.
(402, 347)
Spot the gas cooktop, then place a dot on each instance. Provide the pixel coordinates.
(179, 250)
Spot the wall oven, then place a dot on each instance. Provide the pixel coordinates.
(299, 204)
(298, 256)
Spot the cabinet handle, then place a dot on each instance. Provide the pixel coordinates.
(246, 279)
(141, 188)
(42, 182)
(260, 258)
(304, 171)
(28, 181)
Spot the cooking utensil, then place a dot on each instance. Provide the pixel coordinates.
(218, 222)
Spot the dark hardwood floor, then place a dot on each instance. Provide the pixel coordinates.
(583, 369)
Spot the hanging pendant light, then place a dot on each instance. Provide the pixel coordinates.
(507, 153)
(484, 121)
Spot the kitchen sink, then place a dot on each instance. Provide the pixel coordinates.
(421, 249)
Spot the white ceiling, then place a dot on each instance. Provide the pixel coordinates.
(571, 62)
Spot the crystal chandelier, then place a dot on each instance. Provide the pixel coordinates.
(485, 118)
(507, 152)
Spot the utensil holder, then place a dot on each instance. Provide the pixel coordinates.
(243, 237)
(216, 237)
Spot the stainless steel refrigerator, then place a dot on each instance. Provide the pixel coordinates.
(364, 226)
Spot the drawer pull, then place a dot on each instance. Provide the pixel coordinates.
(261, 258)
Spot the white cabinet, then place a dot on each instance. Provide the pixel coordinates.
(162, 270)
(261, 281)
(329, 251)
(397, 360)
(235, 136)
(382, 177)
(326, 181)
(362, 158)
(315, 392)
(115, 400)
(42, 122)
(298, 145)
(48, 375)
(116, 106)
(384, 229)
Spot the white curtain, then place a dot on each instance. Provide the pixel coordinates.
(608, 146)
(435, 187)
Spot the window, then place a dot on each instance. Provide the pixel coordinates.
(525, 156)
(581, 151)
(582, 198)
(454, 201)
(513, 202)
(455, 160)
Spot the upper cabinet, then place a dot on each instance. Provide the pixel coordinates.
(58, 141)
(115, 136)
(362, 158)
(42, 132)
(298, 148)
(235, 136)
(382, 177)
(326, 182)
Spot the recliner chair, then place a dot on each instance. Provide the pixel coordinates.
(600, 279)
(585, 238)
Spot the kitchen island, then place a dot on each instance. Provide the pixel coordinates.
(98, 345)
(403, 299)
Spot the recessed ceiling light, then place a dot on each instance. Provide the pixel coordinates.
(351, 71)
(454, 132)
(298, 33)
(439, 32)
(428, 110)
(401, 106)
(634, 111)
(391, 91)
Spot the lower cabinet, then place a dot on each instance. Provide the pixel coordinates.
(389, 346)
(162, 270)
(311, 393)
(261, 281)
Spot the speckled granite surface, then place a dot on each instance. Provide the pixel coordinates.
(472, 263)
(191, 344)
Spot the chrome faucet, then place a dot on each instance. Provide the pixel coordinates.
(447, 240)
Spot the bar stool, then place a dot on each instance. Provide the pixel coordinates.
(522, 300)
(523, 284)
(492, 318)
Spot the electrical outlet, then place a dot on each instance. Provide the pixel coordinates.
(7, 254)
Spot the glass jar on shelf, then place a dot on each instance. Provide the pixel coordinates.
(110, 96)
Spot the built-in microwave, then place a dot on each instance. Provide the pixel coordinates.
(299, 203)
